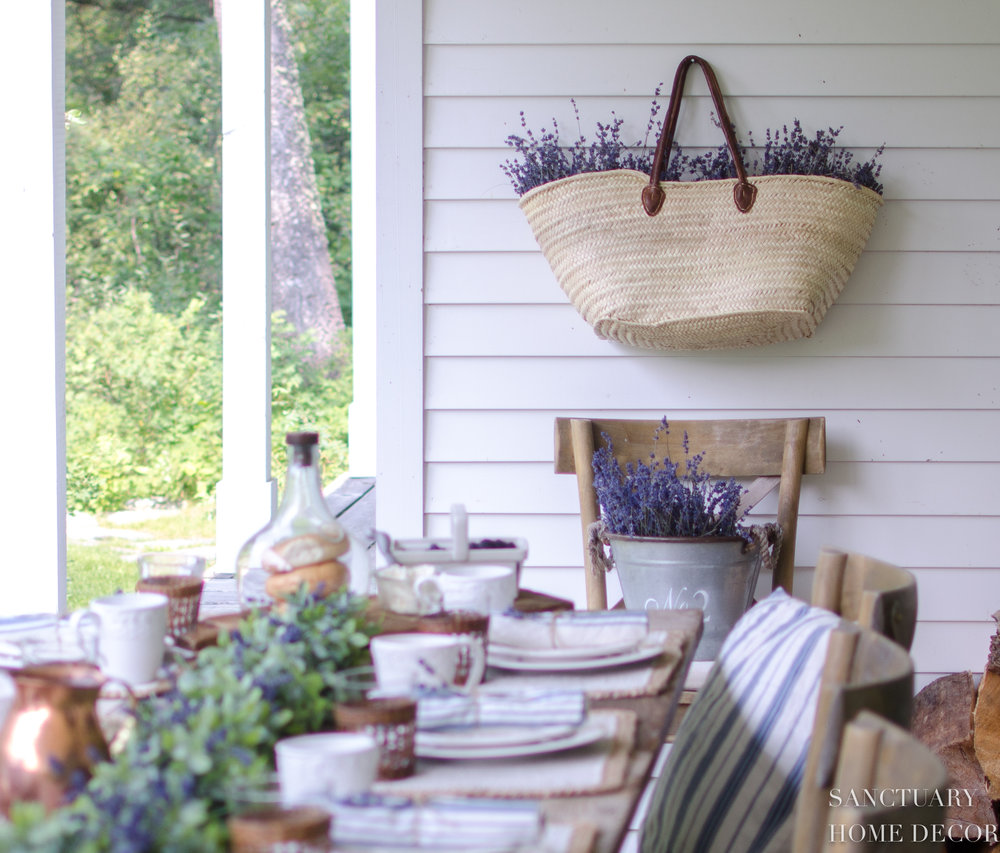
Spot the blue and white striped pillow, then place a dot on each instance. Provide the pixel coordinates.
(734, 771)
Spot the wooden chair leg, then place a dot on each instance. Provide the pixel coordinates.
(582, 435)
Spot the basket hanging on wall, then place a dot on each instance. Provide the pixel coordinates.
(710, 264)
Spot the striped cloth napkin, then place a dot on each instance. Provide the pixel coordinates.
(568, 629)
(444, 823)
(443, 707)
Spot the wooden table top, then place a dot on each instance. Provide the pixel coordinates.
(608, 813)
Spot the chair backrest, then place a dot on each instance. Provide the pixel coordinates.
(883, 791)
(775, 451)
(876, 595)
(864, 671)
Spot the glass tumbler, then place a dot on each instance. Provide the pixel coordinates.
(389, 718)
(180, 578)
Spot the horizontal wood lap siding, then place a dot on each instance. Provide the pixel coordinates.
(906, 365)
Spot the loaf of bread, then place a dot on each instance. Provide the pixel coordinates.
(310, 549)
(323, 578)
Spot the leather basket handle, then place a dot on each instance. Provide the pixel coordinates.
(653, 195)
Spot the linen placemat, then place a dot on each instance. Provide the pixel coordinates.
(592, 769)
(645, 678)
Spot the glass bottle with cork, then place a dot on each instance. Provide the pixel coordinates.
(303, 543)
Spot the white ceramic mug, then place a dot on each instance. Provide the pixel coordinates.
(478, 587)
(131, 631)
(406, 661)
(315, 767)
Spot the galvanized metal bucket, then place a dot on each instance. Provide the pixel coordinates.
(715, 574)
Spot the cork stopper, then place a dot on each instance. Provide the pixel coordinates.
(301, 439)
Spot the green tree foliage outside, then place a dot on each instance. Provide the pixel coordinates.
(143, 384)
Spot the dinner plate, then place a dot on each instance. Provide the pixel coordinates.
(651, 647)
(590, 731)
(30, 622)
(484, 736)
(560, 654)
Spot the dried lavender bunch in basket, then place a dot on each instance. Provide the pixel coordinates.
(544, 158)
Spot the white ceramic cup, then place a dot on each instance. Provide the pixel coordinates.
(478, 587)
(405, 661)
(131, 630)
(319, 766)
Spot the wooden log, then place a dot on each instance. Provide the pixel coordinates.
(987, 718)
(943, 721)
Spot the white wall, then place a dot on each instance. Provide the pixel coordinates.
(905, 367)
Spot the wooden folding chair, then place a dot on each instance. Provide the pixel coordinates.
(876, 595)
(775, 451)
(864, 671)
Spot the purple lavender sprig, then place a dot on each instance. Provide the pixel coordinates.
(545, 158)
(659, 499)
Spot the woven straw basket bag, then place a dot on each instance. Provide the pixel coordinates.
(705, 264)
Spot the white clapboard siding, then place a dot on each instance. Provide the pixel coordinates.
(905, 367)
(853, 436)
(713, 21)
(743, 70)
(883, 278)
(910, 122)
(863, 330)
(738, 379)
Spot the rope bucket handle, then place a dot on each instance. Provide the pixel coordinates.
(744, 193)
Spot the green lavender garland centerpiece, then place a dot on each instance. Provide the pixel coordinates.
(171, 785)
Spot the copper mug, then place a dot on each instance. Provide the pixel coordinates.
(51, 738)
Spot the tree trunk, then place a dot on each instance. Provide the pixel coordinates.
(302, 282)
(302, 275)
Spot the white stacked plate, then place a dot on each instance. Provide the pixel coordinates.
(572, 659)
(477, 742)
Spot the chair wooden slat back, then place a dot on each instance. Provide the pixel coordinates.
(864, 671)
(876, 595)
(883, 760)
(776, 451)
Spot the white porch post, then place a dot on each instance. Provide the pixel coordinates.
(399, 263)
(361, 412)
(245, 496)
(32, 341)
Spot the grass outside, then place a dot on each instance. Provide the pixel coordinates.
(97, 567)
